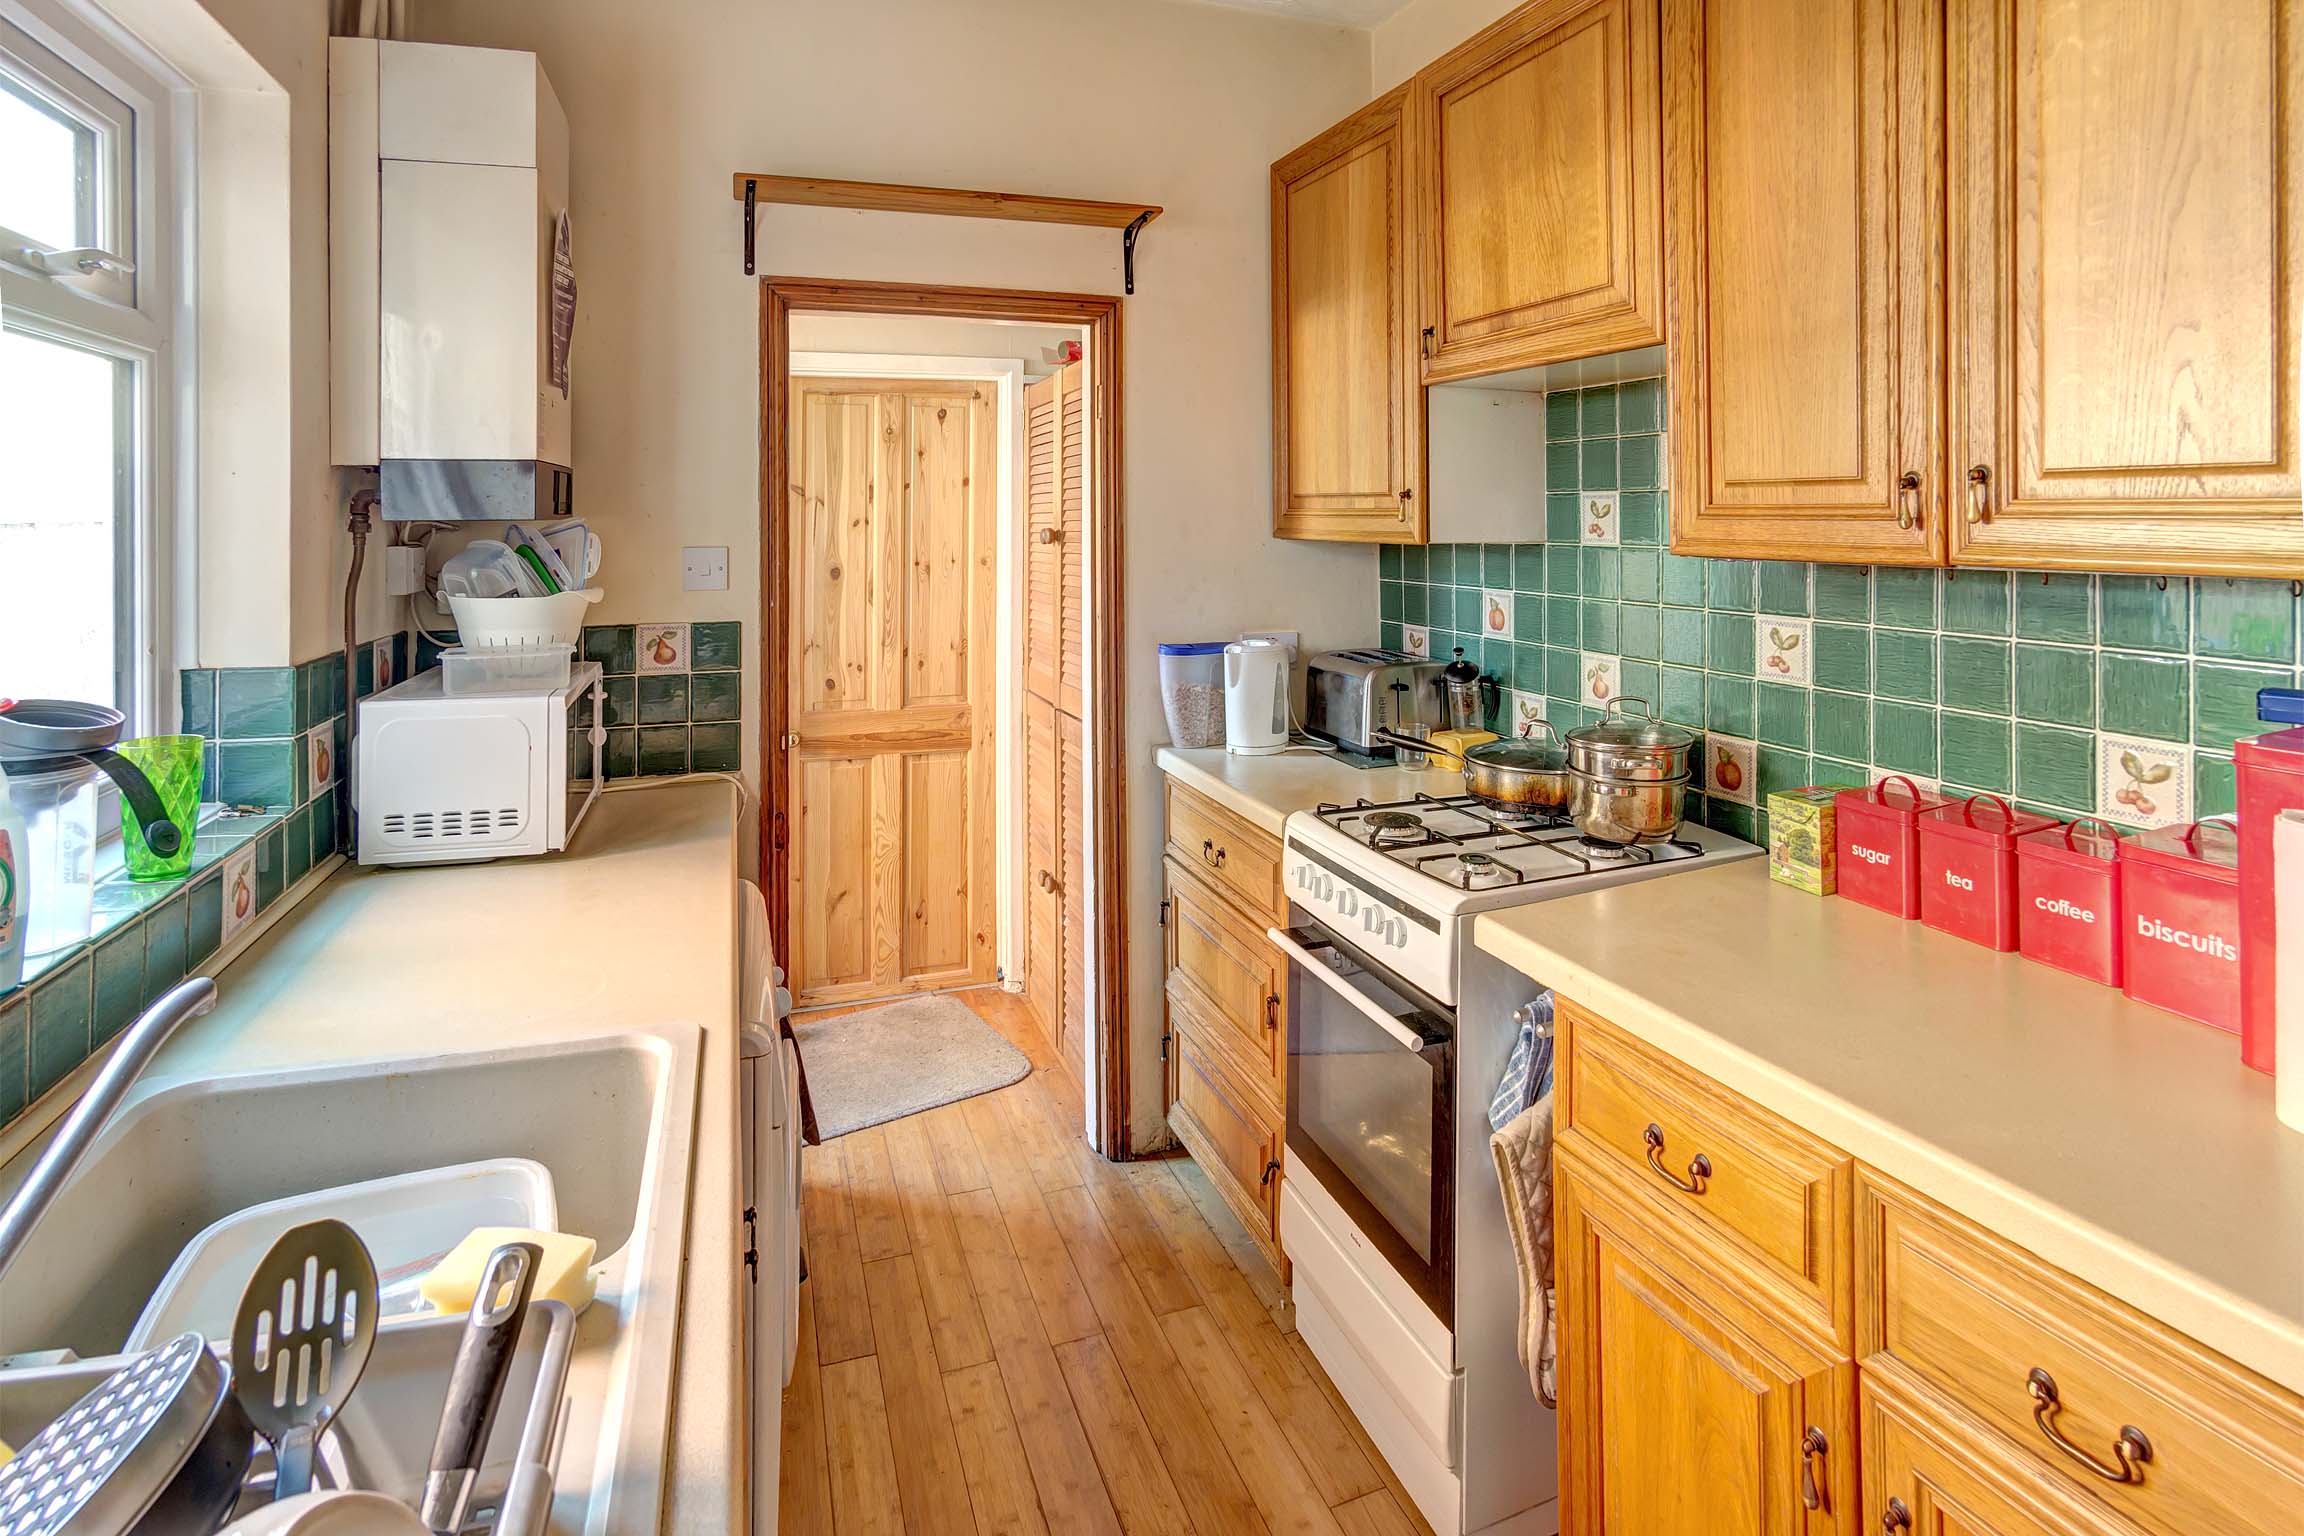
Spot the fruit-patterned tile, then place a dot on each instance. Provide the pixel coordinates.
(2143, 783)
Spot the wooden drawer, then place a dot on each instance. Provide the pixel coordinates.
(1974, 1316)
(1240, 860)
(1776, 1195)
(1233, 976)
(1929, 1472)
(1234, 1137)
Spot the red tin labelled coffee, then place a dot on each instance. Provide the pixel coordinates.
(2180, 930)
(1968, 868)
(2270, 775)
(1878, 844)
(2068, 898)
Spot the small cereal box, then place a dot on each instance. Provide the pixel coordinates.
(1802, 840)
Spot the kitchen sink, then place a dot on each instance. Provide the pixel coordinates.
(612, 1117)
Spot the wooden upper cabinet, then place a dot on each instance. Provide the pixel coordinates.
(1539, 235)
(1347, 399)
(2127, 269)
(1805, 314)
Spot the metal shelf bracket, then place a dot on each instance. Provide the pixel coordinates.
(1127, 249)
(751, 202)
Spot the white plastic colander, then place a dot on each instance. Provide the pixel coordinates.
(490, 623)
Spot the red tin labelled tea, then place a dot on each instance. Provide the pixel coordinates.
(2068, 898)
(2180, 930)
(1968, 868)
(1878, 844)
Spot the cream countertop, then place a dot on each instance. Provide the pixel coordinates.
(2124, 1144)
(636, 926)
(1263, 790)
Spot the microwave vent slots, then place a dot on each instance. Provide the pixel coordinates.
(444, 825)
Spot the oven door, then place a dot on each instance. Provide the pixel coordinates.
(1371, 1093)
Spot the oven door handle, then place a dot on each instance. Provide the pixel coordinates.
(1291, 942)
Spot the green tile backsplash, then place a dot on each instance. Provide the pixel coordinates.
(2030, 685)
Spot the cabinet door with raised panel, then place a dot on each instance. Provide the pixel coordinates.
(1929, 1472)
(1347, 400)
(1685, 1410)
(1800, 178)
(1540, 237)
(2127, 270)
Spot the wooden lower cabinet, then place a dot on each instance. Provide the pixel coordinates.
(1685, 1410)
(1232, 1133)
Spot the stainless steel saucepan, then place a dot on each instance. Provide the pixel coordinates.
(1631, 775)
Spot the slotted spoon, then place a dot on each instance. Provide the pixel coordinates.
(306, 1325)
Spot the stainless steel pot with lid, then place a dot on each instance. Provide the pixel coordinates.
(1624, 747)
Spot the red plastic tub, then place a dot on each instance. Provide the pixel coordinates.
(1878, 844)
(1968, 869)
(2068, 899)
(2270, 775)
(2180, 942)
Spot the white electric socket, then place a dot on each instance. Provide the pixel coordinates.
(403, 570)
(1291, 638)
(704, 569)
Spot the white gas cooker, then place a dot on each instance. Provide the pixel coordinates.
(1399, 880)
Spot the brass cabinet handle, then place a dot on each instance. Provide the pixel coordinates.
(1979, 493)
(1812, 1445)
(1406, 493)
(1210, 854)
(1270, 1169)
(2132, 1447)
(1908, 500)
(1049, 536)
(1272, 1010)
(1699, 1166)
(1895, 1518)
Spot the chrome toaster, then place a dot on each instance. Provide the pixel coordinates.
(1351, 695)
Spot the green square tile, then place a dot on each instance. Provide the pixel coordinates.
(1528, 567)
(1416, 603)
(2055, 608)
(1682, 700)
(1562, 421)
(1563, 673)
(1528, 668)
(1728, 705)
(1684, 580)
(1731, 585)
(62, 1004)
(1563, 569)
(1843, 725)
(1976, 750)
(15, 1055)
(204, 921)
(1600, 572)
(164, 945)
(622, 702)
(2244, 620)
(1496, 565)
(1732, 644)
(1904, 664)
(1597, 409)
(1467, 611)
(1682, 636)
(196, 687)
(2144, 695)
(1388, 636)
(324, 828)
(271, 866)
(1976, 674)
(611, 645)
(1904, 597)
(2056, 684)
(1783, 718)
(1600, 625)
(1495, 658)
(1640, 680)
(2145, 613)
(1564, 621)
(1562, 461)
(1904, 736)
(715, 749)
(1844, 592)
(664, 699)
(1640, 462)
(1415, 562)
(1843, 656)
(1639, 574)
(1389, 603)
(1639, 631)
(1784, 588)
(296, 850)
(2224, 702)
(1782, 770)
(1738, 821)
(256, 701)
(1833, 770)
(1527, 616)
(2214, 791)
(2056, 768)
(1596, 464)
(1639, 405)
(1976, 602)
(1640, 517)
(1563, 517)
(120, 994)
(258, 773)
(1387, 562)
(620, 757)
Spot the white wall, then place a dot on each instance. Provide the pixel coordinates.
(1179, 104)
(1420, 32)
(933, 336)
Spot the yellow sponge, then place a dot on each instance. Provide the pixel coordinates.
(564, 1273)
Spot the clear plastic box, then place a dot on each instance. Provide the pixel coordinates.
(506, 669)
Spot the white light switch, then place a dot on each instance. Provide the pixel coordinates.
(704, 570)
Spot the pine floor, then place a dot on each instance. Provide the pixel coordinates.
(1002, 1332)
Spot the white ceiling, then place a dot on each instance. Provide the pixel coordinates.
(1350, 13)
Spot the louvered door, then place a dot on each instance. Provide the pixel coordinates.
(1043, 519)
(1072, 893)
(1055, 766)
(1043, 903)
(1071, 479)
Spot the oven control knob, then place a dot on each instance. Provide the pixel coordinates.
(1396, 933)
(1324, 887)
(1348, 901)
(1372, 920)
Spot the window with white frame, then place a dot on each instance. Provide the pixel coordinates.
(87, 381)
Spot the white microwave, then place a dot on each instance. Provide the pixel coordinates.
(441, 778)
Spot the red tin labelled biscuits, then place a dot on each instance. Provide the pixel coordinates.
(1878, 844)
(1968, 868)
(2068, 898)
(2180, 934)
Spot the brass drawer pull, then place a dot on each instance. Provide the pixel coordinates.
(1895, 1518)
(1812, 1446)
(1979, 493)
(2132, 1447)
(1265, 1179)
(1699, 1166)
(1210, 854)
(1908, 500)
(1271, 1010)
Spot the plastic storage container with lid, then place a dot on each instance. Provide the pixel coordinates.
(1192, 692)
(2068, 898)
(2180, 946)
(1968, 868)
(506, 669)
(57, 865)
(1878, 845)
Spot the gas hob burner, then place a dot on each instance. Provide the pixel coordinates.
(1471, 871)
(1389, 827)
(1608, 853)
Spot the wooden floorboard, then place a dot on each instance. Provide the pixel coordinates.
(1003, 1333)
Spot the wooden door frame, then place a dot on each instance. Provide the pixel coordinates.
(780, 298)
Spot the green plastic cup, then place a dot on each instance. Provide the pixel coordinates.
(173, 764)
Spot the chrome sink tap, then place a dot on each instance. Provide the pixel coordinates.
(78, 1133)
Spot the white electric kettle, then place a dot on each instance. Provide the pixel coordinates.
(1255, 697)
